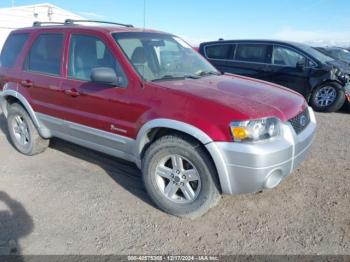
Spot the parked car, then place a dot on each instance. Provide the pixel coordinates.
(322, 80)
(148, 97)
(336, 53)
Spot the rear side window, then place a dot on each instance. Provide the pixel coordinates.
(252, 53)
(89, 52)
(12, 49)
(45, 55)
(218, 51)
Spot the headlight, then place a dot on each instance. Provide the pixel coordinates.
(255, 130)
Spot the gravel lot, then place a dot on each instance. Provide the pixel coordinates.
(72, 200)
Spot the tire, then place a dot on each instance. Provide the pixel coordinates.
(24, 135)
(197, 166)
(332, 103)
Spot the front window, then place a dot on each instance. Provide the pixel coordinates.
(88, 52)
(162, 57)
(286, 57)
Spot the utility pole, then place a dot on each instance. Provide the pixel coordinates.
(144, 14)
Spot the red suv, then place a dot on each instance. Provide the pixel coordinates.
(148, 97)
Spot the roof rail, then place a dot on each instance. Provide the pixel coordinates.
(37, 23)
(72, 21)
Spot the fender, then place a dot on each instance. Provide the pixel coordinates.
(193, 131)
(43, 131)
(141, 139)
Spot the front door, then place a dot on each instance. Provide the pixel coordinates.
(100, 114)
(290, 69)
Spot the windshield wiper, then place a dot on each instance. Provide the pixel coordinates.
(174, 77)
(208, 73)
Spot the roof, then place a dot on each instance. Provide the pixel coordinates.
(269, 41)
(106, 29)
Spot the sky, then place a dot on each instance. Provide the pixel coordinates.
(322, 22)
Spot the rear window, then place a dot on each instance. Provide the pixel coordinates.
(219, 51)
(12, 49)
(45, 54)
(252, 53)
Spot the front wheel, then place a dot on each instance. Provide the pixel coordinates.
(180, 177)
(329, 97)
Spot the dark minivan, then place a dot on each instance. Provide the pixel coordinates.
(322, 80)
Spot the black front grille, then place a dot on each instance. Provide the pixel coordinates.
(301, 121)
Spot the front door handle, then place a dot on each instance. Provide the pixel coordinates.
(72, 92)
(27, 83)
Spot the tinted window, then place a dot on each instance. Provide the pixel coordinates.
(218, 51)
(45, 54)
(286, 57)
(12, 49)
(89, 52)
(252, 53)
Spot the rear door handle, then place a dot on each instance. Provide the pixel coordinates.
(27, 83)
(72, 92)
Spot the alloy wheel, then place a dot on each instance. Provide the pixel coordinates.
(20, 130)
(178, 179)
(325, 96)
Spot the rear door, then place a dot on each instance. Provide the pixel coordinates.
(284, 69)
(219, 54)
(41, 74)
(252, 60)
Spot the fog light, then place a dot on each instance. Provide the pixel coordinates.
(273, 179)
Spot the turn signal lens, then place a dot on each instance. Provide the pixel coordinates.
(239, 133)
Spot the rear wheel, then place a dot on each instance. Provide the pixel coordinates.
(180, 177)
(23, 133)
(329, 97)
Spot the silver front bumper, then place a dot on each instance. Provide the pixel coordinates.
(246, 168)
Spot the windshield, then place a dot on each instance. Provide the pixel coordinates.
(315, 53)
(159, 57)
(341, 54)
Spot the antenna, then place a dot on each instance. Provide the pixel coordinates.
(144, 29)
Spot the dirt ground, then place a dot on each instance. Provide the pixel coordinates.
(71, 200)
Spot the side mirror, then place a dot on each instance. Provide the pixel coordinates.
(104, 75)
(301, 65)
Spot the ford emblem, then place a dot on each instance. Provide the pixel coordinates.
(302, 121)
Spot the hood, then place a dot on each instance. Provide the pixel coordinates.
(251, 98)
